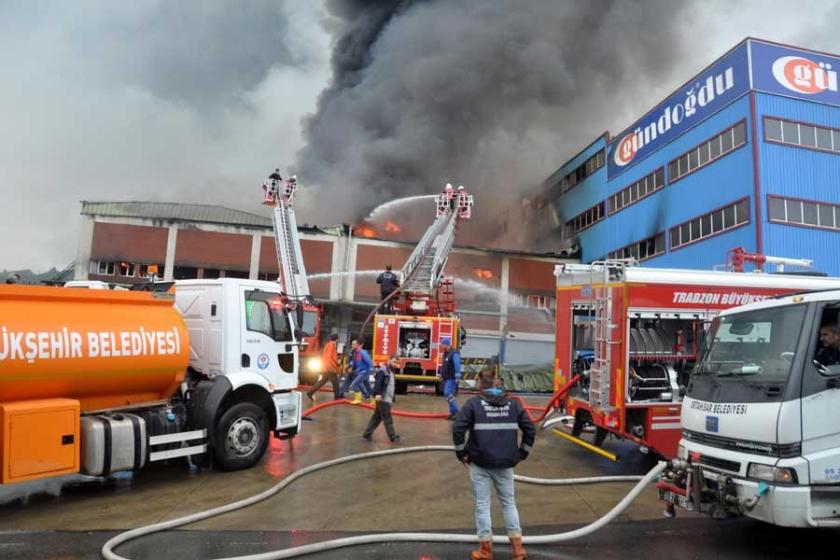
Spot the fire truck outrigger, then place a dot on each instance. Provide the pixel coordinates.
(280, 196)
(633, 336)
(426, 311)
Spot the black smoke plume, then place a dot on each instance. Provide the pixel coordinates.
(490, 94)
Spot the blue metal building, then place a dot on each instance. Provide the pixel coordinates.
(746, 153)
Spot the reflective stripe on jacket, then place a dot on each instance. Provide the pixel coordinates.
(494, 422)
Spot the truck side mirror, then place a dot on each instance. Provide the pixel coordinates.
(299, 316)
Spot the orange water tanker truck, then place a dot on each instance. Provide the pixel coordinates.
(99, 381)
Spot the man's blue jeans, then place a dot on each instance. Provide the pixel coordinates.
(482, 479)
(362, 383)
(449, 388)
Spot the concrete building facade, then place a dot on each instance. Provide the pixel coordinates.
(506, 299)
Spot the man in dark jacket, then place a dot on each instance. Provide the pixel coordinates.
(829, 353)
(388, 282)
(383, 395)
(493, 421)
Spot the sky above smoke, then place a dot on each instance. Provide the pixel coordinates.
(196, 101)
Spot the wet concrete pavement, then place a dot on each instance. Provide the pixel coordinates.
(412, 492)
(678, 539)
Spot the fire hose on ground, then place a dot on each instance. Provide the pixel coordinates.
(642, 482)
(545, 411)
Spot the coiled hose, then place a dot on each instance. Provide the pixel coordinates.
(109, 554)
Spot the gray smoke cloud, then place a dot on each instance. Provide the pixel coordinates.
(173, 49)
(187, 101)
(496, 95)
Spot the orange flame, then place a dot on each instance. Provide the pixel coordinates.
(392, 227)
(482, 273)
(364, 230)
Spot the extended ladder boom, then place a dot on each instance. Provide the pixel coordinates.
(423, 270)
(280, 196)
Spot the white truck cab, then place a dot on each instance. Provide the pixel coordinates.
(761, 417)
(243, 365)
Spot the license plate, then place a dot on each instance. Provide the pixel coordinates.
(676, 499)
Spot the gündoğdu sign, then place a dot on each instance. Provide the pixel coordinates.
(795, 73)
(703, 95)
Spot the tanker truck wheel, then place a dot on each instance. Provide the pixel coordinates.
(241, 437)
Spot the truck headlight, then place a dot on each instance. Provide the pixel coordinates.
(682, 453)
(772, 474)
(314, 364)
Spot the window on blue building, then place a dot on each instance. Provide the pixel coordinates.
(645, 186)
(810, 214)
(641, 250)
(728, 217)
(581, 172)
(773, 129)
(808, 136)
(801, 134)
(706, 225)
(790, 132)
(794, 211)
(585, 219)
(704, 153)
(826, 215)
(726, 143)
(823, 139)
(709, 224)
(804, 212)
(707, 152)
(777, 209)
(739, 134)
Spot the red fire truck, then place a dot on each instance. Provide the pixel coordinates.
(424, 305)
(633, 335)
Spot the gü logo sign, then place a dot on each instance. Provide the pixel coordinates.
(804, 76)
(697, 96)
(625, 151)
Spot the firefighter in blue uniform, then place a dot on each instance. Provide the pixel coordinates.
(450, 374)
(388, 283)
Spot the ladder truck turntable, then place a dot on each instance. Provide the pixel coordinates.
(632, 335)
(425, 301)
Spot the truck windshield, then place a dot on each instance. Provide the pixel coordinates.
(757, 344)
(265, 313)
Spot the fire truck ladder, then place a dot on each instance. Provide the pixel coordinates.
(286, 239)
(604, 339)
(424, 268)
(425, 265)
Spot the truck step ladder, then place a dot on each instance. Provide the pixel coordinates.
(604, 338)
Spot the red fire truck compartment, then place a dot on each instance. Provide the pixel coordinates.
(415, 340)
